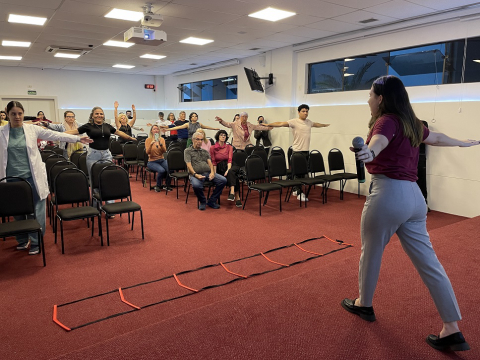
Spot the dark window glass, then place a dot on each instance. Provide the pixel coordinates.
(453, 62)
(472, 61)
(360, 72)
(326, 77)
(186, 92)
(207, 90)
(197, 91)
(216, 89)
(416, 66)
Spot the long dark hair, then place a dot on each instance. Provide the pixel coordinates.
(13, 104)
(395, 101)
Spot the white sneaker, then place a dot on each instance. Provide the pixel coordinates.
(302, 197)
(294, 192)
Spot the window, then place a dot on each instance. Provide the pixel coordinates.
(207, 90)
(421, 65)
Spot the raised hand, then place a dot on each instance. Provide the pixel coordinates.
(133, 107)
(115, 104)
(218, 118)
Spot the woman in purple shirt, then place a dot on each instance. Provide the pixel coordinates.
(395, 205)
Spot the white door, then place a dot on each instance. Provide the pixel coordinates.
(32, 106)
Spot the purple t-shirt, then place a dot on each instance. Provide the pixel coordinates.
(399, 160)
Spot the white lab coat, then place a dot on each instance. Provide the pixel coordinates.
(37, 167)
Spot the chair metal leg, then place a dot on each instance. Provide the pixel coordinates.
(55, 225)
(141, 222)
(42, 246)
(260, 195)
(133, 218)
(246, 197)
(99, 216)
(280, 199)
(108, 235)
(61, 235)
(93, 223)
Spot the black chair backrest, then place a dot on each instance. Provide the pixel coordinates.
(71, 186)
(114, 183)
(51, 160)
(142, 137)
(140, 151)
(239, 157)
(254, 168)
(277, 166)
(289, 155)
(50, 147)
(335, 160)
(129, 151)
(55, 169)
(211, 141)
(75, 157)
(58, 151)
(315, 162)
(299, 164)
(116, 147)
(260, 151)
(174, 144)
(176, 160)
(82, 163)
(97, 167)
(249, 148)
(277, 150)
(16, 197)
(46, 153)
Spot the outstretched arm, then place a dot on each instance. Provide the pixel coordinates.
(279, 124)
(184, 126)
(319, 125)
(208, 127)
(223, 122)
(115, 113)
(369, 152)
(440, 139)
(134, 112)
(123, 135)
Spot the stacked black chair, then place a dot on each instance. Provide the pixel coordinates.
(177, 167)
(82, 164)
(46, 153)
(336, 164)
(75, 157)
(255, 171)
(52, 173)
(97, 167)
(142, 137)
(114, 184)
(129, 155)
(71, 186)
(300, 172)
(277, 169)
(117, 151)
(140, 159)
(16, 199)
(317, 170)
(249, 148)
(145, 170)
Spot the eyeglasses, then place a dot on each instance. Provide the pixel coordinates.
(70, 116)
(198, 139)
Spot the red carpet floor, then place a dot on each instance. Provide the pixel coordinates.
(292, 313)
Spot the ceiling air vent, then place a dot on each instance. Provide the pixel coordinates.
(254, 49)
(368, 21)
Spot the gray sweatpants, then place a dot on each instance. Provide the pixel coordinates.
(398, 206)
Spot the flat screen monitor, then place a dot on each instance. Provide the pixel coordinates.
(254, 80)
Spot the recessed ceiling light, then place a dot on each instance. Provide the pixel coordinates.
(125, 15)
(150, 56)
(477, 61)
(30, 20)
(10, 58)
(16, 43)
(272, 14)
(120, 66)
(195, 41)
(118, 43)
(66, 55)
(347, 74)
(347, 59)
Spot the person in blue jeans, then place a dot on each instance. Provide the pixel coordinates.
(155, 148)
(200, 167)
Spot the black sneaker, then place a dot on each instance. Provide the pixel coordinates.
(238, 203)
(157, 188)
(168, 188)
(231, 197)
(34, 250)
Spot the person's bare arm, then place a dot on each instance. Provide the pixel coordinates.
(212, 171)
(440, 139)
(319, 125)
(377, 144)
(134, 116)
(123, 135)
(279, 124)
(192, 172)
(115, 113)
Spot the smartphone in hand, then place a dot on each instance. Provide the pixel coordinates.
(157, 136)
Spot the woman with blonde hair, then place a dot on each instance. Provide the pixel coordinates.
(206, 144)
(122, 123)
(155, 148)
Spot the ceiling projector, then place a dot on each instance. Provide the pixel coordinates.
(144, 36)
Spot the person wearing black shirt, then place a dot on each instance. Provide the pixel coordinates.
(122, 123)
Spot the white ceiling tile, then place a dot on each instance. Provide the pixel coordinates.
(76, 7)
(47, 4)
(400, 9)
(443, 4)
(306, 32)
(231, 6)
(196, 13)
(358, 4)
(335, 26)
(361, 15)
(286, 38)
